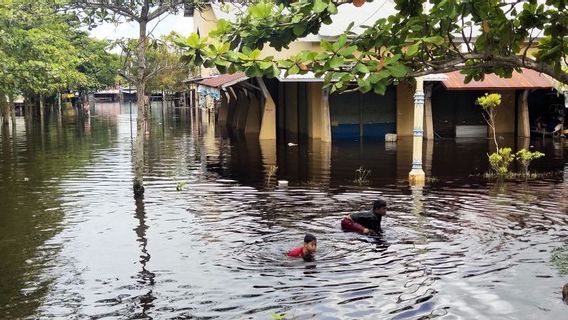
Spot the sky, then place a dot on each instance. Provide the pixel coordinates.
(179, 23)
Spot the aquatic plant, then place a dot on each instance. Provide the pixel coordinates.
(489, 104)
(278, 316)
(525, 157)
(559, 259)
(500, 161)
(272, 172)
(180, 185)
(362, 176)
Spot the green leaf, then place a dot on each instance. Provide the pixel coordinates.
(336, 62)
(380, 88)
(376, 77)
(294, 70)
(253, 71)
(341, 40)
(332, 8)
(299, 29)
(255, 54)
(286, 63)
(347, 51)
(361, 68)
(193, 40)
(364, 85)
(437, 40)
(326, 45)
(265, 65)
(397, 70)
(320, 6)
(413, 49)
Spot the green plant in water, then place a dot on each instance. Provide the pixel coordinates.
(362, 176)
(501, 160)
(180, 185)
(272, 172)
(559, 258)
(489, 104)
(525, 157)
(278, 316)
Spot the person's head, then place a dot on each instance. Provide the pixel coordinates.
(310, 243)
(380, 207)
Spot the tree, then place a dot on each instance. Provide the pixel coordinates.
(142, 12)
(475, 36)
(43, 52)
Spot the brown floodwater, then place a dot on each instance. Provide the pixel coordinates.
(74, 244)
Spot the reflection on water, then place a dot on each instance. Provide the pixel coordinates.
(74, 244)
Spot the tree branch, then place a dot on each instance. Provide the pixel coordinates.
(97, 4)
(164, 8)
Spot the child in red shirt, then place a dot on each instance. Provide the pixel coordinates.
(307, 250)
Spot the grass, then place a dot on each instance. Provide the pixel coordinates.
(180, 185)
(362, 176)
(519, 176)
(559, 259)
(272, 172)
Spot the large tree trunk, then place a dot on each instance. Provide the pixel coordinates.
(5, 109)
(41, 107)
(138, 184)
(12, 110)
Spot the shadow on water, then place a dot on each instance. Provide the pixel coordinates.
(461, 247)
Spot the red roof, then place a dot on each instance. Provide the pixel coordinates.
(223, 80)
(528, 79)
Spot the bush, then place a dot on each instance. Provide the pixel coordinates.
(501, 160)
(525, 158)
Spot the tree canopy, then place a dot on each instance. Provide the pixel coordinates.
(43, 51)
(423, 37)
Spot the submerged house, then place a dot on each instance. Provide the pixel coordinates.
(297, 107)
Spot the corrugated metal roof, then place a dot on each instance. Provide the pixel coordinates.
(224, 80)
(528, 79)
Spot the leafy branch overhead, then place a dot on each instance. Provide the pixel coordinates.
(476, 36)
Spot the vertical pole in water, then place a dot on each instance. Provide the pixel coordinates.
(130, 107)
(416, 177)
(163, 118)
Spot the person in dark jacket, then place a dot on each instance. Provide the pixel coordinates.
(367, 222)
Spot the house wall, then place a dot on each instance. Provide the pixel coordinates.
(355, 114)
(315, 129)
(405, 109)
(505, 119)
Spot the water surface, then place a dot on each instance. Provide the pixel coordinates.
(76, 245)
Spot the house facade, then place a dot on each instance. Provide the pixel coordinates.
(290, 109)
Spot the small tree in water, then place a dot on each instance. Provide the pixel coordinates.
(525, 158)
(501, 160)
(489, 104)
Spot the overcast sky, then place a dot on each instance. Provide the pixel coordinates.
(169, 23)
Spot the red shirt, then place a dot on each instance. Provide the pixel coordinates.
(296, 252)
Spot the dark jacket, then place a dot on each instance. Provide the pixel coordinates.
(368, 219)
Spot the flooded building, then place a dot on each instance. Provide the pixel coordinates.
(292, 108)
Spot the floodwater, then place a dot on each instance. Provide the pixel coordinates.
(74, 244)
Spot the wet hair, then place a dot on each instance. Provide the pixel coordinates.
(379, 204)
(309, 238)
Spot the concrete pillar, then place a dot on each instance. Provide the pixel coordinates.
(268, 124)
(252, 117)
(315, 92)
(524, 130)
(325, 117)
(224, 109)
(291, 106)
(428, 121)
(416, 176)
